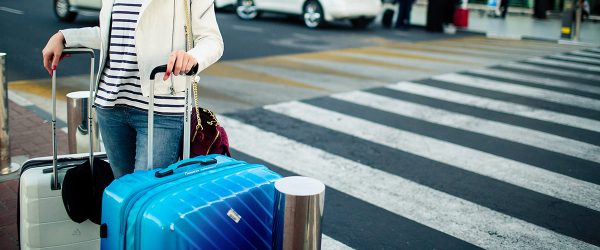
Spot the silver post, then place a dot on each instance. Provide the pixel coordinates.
(80, 131)
(578, 14)
(299, 203)
(5, 167)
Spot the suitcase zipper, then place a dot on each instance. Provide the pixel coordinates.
(140, 212)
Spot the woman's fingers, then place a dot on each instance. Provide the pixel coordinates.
(52, 53)
(56, 59)
(47, 60)
(190, 64)
(179, 63)
(170, 64)
(185, 60)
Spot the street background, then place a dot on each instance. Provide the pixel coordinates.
(487, 138)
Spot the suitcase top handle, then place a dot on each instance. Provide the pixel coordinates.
(203, 161)
(75, 51)
(163, 68)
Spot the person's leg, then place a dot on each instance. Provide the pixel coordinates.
(448, 12)
(401, 16)
(504, 7)
(168, 133)
(409, 11)
(118, 138)
(435, 15)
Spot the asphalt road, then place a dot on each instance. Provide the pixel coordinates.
(27, 25)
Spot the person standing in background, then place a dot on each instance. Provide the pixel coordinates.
(504, 8)
(539, 8)
(585, 10)
(404, 10)
(448, 15)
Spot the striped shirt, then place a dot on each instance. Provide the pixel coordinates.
(120, 79)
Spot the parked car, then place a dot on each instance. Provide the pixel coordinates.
(222, 4)
(315, 13)
(66, 10)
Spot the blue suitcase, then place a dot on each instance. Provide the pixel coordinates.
(214, 203)
(207, 202)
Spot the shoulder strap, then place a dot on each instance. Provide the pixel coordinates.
(188, 26)
(189, 45)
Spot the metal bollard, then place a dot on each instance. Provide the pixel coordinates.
(5, 166)
(77, 123)
(299, 204)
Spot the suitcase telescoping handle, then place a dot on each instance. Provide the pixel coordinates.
(71, 51)
(186, 115)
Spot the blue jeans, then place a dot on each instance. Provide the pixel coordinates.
(125, 135)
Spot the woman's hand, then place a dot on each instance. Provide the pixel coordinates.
(179, 63)
(52, 53)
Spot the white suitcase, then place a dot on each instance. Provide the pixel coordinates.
(42, 219)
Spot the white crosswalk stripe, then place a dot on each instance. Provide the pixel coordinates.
(328, 243)
(501, 106)
(586, 54)
(576, 58)
(482, 126)
(419, 203)
(540, 69)
(538, 80)
(515, 89)
(595, 50)
(570, 65)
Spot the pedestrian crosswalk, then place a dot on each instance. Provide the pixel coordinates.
(460, 143)
(501, 157)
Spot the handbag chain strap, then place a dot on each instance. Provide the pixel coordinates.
(189, 45)
(195, 80)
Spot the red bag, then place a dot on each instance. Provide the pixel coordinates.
(207, 135)
(461, 18)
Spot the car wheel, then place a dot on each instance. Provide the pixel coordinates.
(313, 14)
(246, 9)
(63, 12)
(361, 23)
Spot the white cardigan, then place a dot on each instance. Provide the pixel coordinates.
(159, 31)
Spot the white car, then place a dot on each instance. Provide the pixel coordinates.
(220, 4)
(314, 12)
(66, 10)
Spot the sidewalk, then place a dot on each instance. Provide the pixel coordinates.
(516, 25)
(30, 137)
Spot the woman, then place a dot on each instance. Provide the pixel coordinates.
(135, 36)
